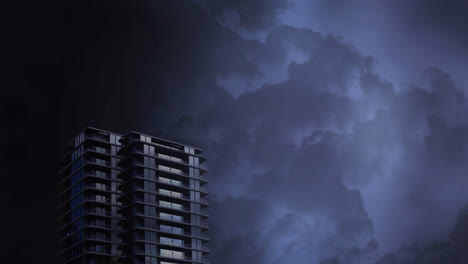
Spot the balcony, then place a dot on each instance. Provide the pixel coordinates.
(99, 150)
(98, 250)
(178, 171)
(167, 243)
(99, 174)
(181, 257)
(172, 231)
(172, 219)
(167, 157)
(99, 237)
(172, 170)
(101, 138)
(98, 212)
(171, 158)
(100, 187)
(97, 225)
(99, 162)
(183, 245)
(173, 183)
(171, 206)
(98, 199)
(181, 196)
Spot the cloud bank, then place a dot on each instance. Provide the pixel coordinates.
(313, 156)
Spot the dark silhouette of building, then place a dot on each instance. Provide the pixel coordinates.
(131, 198)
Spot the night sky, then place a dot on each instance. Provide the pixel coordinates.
(336, 131)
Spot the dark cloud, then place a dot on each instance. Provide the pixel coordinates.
(452, 251)
(447, 18)
(256, 15)
(308, 144)
(405, 37)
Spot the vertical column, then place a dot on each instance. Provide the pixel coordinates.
(194, 207)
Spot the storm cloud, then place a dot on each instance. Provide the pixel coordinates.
(313, 155)
(405, 37)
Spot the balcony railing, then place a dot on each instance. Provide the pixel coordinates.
(173, 170)
(98, 199)
(99, 162)
(98, 212)
(97, 224)
(167, 193)
(178, 171)
(173, 219)
(172, 231)
(173, 194)
(100, 150)
(167, 157)
(172, 243)
(171, 158)
(171, 256)
(185, 245)
(99, 175)
(173, 183)
(98, 250)
(183, 257)
(98, 138)
(98, 187)
(99, 237)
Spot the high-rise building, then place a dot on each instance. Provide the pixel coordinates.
(131, 198)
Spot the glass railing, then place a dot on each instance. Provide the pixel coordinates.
(163, 156)
(172, 231)
(172, 206)
(174, 256)
(174, 219)
(169, 169)
(173, 243)
(173, 194)
(161, 145)
(172, 182)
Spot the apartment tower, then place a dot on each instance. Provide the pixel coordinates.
(132, 198)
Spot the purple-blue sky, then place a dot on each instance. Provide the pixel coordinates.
(336, 131)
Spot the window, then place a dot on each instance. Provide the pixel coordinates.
(150, 211)
(150, 236)
(150, 223)
(150, 198)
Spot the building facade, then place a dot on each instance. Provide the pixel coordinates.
(133, 199)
